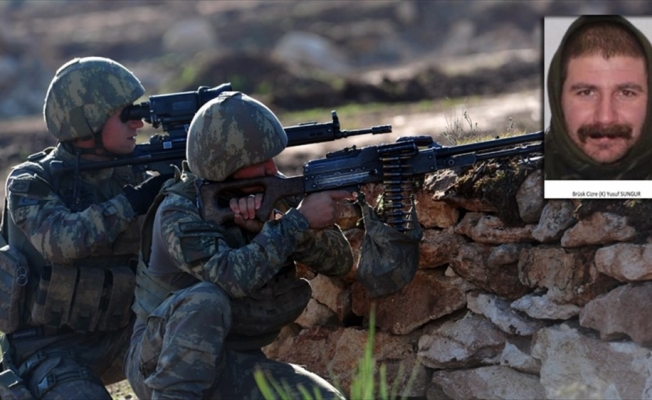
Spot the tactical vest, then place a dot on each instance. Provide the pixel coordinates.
(92, 294)
(257, 318)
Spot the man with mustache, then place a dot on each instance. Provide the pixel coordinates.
(598, 88)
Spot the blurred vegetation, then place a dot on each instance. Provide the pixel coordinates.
(285, 87)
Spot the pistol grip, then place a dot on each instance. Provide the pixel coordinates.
(276, 188)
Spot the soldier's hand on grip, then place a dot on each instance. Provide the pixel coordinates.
(320, 209)
(244, 210)
(142, 196)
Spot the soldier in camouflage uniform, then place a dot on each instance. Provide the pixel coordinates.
(79, 231)
(208, 295)
(598, 86)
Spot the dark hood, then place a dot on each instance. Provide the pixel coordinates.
(563, 159)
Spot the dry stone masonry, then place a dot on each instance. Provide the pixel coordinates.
(515, 296)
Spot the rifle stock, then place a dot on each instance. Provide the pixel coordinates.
(274, 187)
(394, 165)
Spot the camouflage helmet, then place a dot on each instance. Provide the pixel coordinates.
(84, 93)
(230, 132)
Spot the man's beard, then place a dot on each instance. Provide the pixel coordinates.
(597, 131)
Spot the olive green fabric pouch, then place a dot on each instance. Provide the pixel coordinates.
(388, 258)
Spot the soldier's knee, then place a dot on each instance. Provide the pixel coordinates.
(206, 298)
(64, 378)
(206, 291)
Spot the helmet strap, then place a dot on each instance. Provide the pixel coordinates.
(97, 149)
(70, 147)
(98, 146)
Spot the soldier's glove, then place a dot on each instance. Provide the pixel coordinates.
(141, 197)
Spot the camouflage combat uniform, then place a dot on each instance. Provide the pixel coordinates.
(564, 160)
(98, 229)
(209, 296)
(79, 233)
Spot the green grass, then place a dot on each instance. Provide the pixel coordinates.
(351, 114)
(369, 381)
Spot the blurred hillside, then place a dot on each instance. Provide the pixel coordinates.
(292, 55)
(300, 54)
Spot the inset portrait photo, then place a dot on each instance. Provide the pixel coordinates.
(597, 104)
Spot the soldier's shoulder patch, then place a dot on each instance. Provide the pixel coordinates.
(27, 201)
(28, 185)
(198, 227)
(19, 184)
(197, 240)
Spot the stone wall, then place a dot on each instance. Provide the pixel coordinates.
(515, 297)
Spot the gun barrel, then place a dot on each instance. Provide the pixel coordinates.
(489, 145)
(309, 133)
(532, 148)
(374, 130)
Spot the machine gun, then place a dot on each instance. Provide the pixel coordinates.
(396, 165)
(174, 112)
